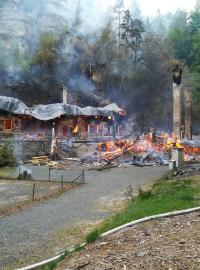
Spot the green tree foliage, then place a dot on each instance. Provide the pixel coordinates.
(3, 58)
(6, 155)
(142, 88)
(132, 31)
(184, 40)
(194, 22)
(179, 37)
(196, 49)
(21, 60)
(14, 57)
(194, 26)
(105, 51)
(46, 52)
(194, 65)
(151, 84)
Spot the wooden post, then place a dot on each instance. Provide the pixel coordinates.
(177, 155)
(19, 177)
(62, 182)
(113, 126)
(49, 174)
(33, 194)
(83, 176)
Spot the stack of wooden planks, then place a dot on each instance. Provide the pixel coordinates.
(44, 160)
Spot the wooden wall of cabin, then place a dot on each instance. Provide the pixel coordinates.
(9, 123)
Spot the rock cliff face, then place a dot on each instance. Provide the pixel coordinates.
(26, 15)
(22, 22)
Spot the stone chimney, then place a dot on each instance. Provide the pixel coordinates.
(64, 94)
(177, 73)
(177, 111)
(188, 113)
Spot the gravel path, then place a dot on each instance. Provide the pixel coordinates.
(22, 233)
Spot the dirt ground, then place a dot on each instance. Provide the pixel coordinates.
(16, 194)
(170, 243)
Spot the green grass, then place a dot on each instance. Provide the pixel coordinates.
(165, 196)
(53, 265)
(93, 236)
(7, 172)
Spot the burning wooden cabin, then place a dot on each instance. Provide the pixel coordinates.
(71, 120)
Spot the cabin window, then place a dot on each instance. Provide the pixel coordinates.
(8, 124)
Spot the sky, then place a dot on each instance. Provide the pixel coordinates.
(150, 7)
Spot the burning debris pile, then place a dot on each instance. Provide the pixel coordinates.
(133, 151)
(142, 151)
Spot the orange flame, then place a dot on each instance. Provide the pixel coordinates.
(163, 144)
(76, 129)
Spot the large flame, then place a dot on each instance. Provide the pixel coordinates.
(75, 130)
(164, 144)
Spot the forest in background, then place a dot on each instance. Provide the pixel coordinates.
(127, 60)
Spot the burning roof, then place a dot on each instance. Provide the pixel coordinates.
(52, 111)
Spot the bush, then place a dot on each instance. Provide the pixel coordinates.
(6, 155)
(144, 194)
(129, 193)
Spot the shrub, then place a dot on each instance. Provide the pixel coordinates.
(6, 155)
(129, 193)
(144, 194)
